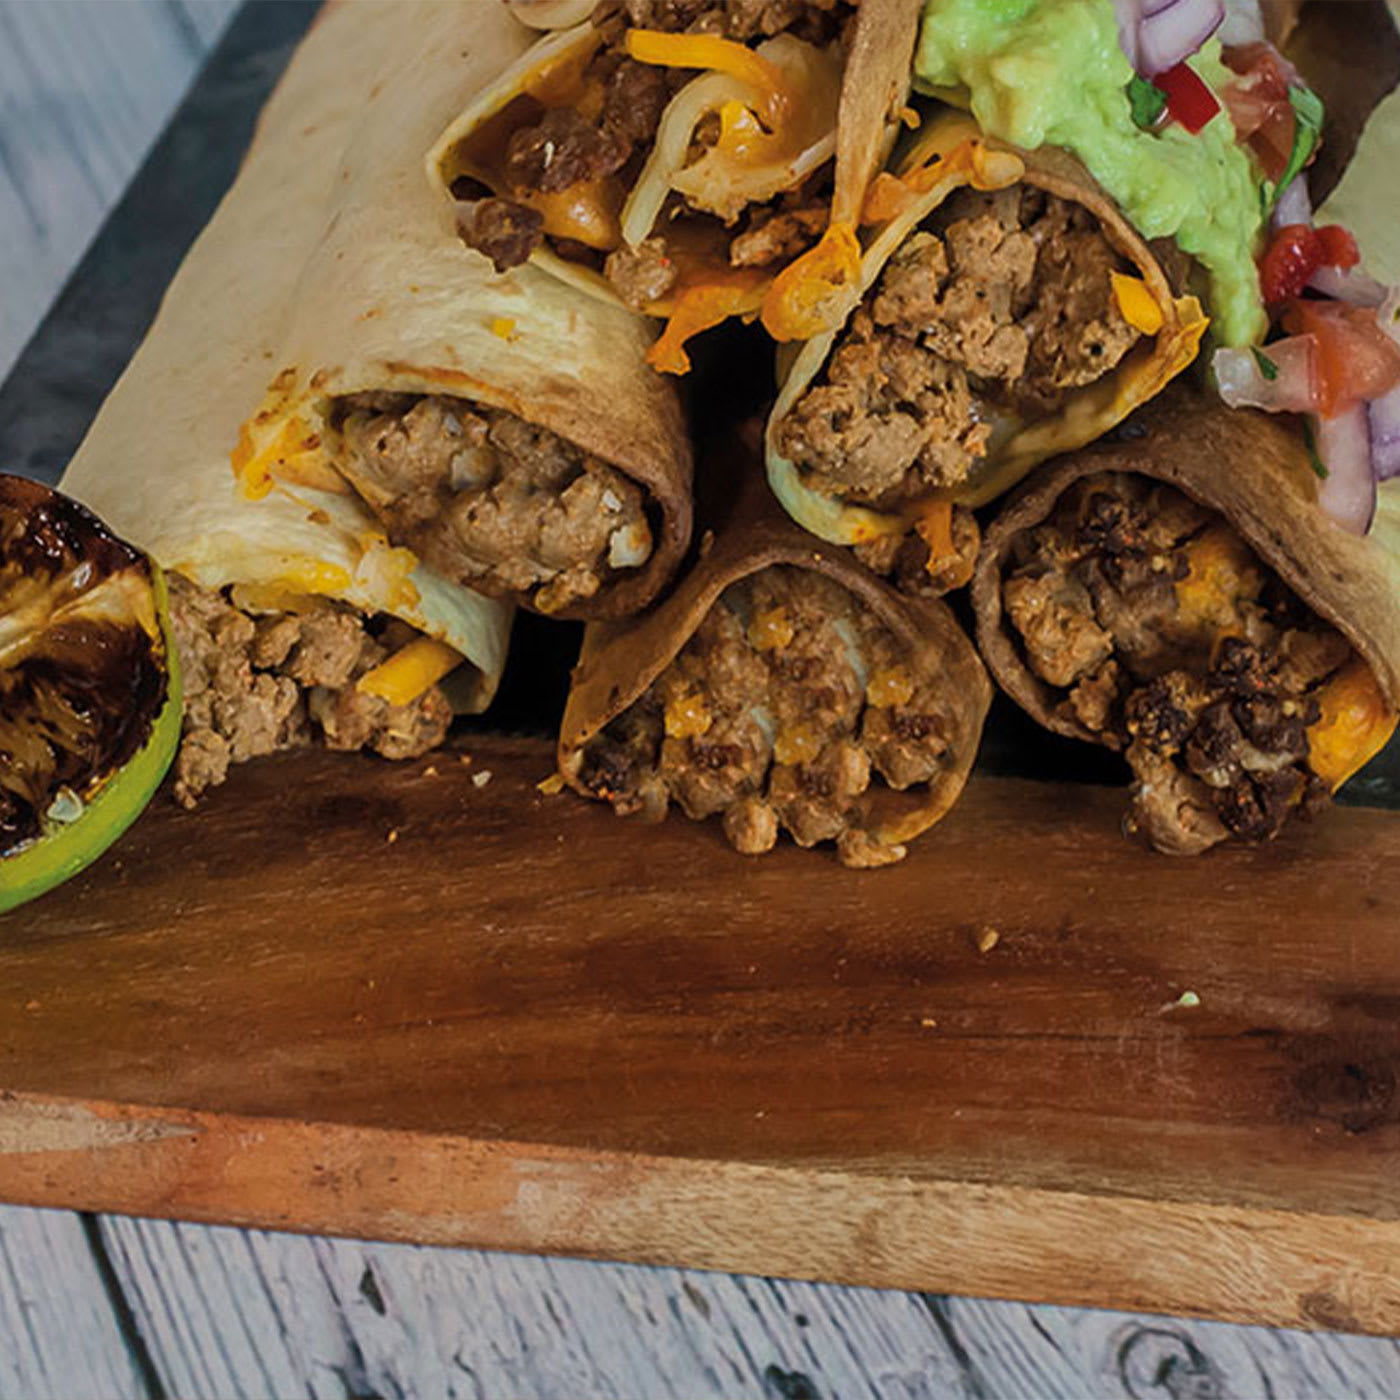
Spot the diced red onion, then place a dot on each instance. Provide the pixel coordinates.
(1348, 492)
(1384, 412)
(1244, 23)
(1294, 204)
(1243, 383)
(1175, 31)
(1353, 286)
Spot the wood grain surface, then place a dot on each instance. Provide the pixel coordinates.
(403, 1002)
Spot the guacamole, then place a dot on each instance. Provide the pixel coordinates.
(1051, 72)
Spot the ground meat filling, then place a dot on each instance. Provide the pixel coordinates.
(1167, 635)
(259, 682)
(996, 310)
(780, 712)
(490, 500)
(599, 145)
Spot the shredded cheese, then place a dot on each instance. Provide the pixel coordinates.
(711, 53)
(410, 671)
(704, 304)
(1138, 306)
(935, 527)
(1221, 570)
(1356, 724)
(811, 295)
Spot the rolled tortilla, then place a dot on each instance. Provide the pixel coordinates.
(155, 462)
(804, 106)
(504, 429)
(866, 475)
(782, 685)
(1177, 594)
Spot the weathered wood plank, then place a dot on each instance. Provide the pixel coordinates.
(331, 1316)
(1067, 1353)
(60, 1336)
(84, 87)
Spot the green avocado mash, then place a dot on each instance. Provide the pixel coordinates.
(1051, 72)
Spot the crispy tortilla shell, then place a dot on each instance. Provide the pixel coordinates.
(1253, 470)
(747, 534)
(950, 155)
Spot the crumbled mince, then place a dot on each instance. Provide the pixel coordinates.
(490, 500)
(1000, 306)
(259, 682)
(786, 706)
(1161, 630)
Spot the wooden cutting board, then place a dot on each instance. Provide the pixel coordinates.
(427, 1002)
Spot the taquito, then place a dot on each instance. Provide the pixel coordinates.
(503, 428)
(1177, 595)
(780, 687)
(676, 155)
(1005, 311)
(297, 619)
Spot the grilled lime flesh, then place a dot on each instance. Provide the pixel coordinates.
(89, 688)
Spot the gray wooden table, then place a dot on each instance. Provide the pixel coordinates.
(107, 1307)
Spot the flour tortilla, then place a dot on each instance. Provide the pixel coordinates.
(746, 532)
(156, 462)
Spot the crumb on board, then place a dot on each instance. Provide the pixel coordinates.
(430, 771)
(551, 786)
(393, 835)
(1185, 1001)
(481, 779)
(987, 938)
(929, 1023)
(465, 760)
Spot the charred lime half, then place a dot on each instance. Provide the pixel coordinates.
(89, 688)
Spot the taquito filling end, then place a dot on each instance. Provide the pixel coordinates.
(1158, 629)
(264, 674)
(986, 319)
(789, 703)
(684, 187)
(491, 501)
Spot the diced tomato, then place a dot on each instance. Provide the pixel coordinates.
(1289, 262)
(1189, 100)
(1337, 247)
(1258, 104)
(1356, 360)
(1262, 65)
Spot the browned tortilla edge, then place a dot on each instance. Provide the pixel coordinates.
(621, 659)
(1253, 470)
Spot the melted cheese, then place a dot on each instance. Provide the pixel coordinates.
(1355, 726)
(410, 671)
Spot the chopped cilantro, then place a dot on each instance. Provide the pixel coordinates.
(1266, 366)
(1316, 462)
(1307, 107)
(1147, 101)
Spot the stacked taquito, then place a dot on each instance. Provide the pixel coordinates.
(351, 454)
(674, 156)
(781, 688)
(1175, 594)
(988, 307)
